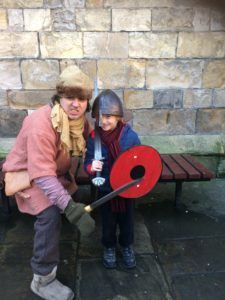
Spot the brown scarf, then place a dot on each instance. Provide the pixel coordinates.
(71, 131)
(111, 140)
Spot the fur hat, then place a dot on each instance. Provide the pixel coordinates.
(74, 83)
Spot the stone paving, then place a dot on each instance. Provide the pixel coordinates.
(180, 252)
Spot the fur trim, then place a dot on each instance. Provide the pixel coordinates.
(73, 92)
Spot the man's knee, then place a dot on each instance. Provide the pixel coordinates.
(50, 215)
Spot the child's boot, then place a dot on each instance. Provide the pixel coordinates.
(128, 257)
(49, 288)
(109, 258)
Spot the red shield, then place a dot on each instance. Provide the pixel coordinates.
(137, 162)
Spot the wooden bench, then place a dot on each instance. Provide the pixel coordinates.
(177, 168)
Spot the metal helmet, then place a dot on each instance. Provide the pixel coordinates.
(107, 103)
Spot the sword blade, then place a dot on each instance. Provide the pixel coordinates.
(97, 143)
(98, 180)
(111, 195)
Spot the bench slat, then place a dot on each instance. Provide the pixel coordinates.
(192, 173)
(205, 173)
(175, 167)
(166, 173)
(178, 172)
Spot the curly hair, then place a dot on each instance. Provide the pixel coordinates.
(70, 93)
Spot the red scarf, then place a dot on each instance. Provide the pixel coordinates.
(111, 140)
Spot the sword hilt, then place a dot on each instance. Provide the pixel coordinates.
(98, 180)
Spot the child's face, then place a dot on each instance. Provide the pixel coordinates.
(109, 122)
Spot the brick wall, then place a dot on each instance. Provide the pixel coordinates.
(164, 58)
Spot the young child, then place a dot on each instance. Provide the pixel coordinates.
(116, 137)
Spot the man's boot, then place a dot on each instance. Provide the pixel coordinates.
(49, 288)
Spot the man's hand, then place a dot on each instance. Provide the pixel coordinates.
(86, 225)
(76, 215)
(74, 211)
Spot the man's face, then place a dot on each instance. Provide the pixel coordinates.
(74, 107)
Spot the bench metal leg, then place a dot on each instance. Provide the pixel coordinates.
(178, 192)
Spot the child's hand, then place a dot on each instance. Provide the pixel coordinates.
(96, 166)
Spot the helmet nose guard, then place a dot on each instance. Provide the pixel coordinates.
(107, 103)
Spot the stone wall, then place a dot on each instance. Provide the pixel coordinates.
(164, 58)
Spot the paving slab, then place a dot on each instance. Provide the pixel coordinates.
(200, 287)
(144, 282)
(179, 251)
(204, 197)
(189, 242)
(92, 247)
(16, 275)
(16, 236)
(192, 256)
(164, 221)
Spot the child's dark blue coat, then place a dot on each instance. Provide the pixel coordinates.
(128, 138)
